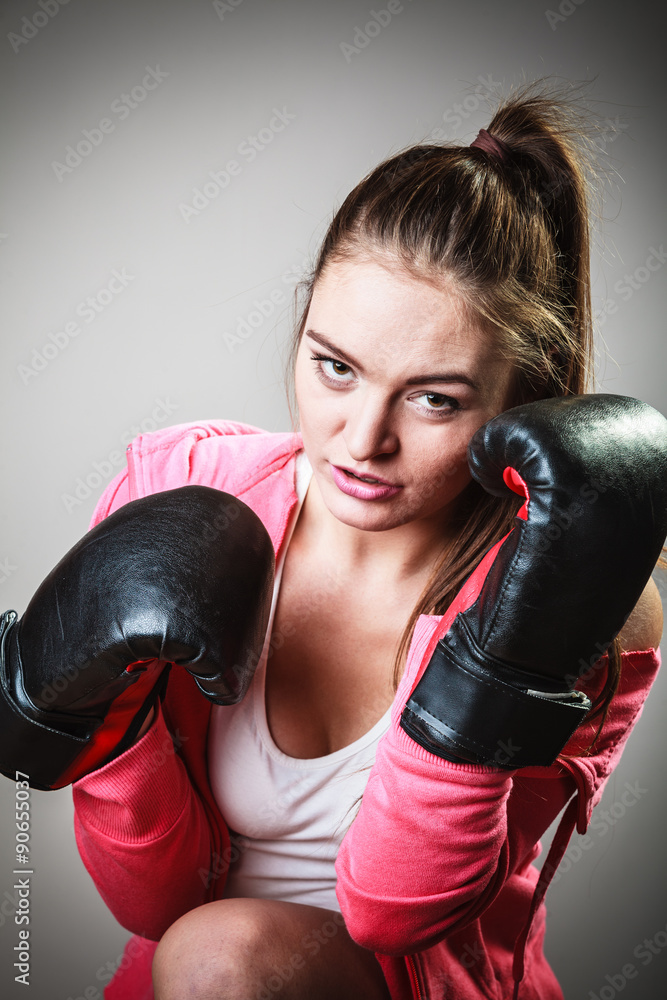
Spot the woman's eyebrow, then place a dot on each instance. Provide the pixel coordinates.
(323, 342)
(442, 377)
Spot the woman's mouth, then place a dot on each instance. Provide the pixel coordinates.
(362, 487)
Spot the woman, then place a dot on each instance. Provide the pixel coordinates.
(452, 285)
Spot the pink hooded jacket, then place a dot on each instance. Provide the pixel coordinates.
(435, 874)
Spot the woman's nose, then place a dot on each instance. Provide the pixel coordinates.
(369, 428)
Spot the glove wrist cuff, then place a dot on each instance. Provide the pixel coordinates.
(466, 710)
(28, 739)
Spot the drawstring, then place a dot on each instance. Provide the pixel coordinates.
(582, 796)
(575, 815)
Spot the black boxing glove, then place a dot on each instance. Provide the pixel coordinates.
(182, 577)
(553, 594)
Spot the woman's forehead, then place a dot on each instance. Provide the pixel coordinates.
(368, 310)
(383, 286)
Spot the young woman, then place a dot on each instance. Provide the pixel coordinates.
(452, 285)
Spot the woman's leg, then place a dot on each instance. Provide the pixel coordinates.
(258, 949)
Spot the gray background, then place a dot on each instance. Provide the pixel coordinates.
(161, 352)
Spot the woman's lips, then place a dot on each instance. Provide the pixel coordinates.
(349, 483)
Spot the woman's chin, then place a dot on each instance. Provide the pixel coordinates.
(365, 515)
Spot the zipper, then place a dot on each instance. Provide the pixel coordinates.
(414, 981)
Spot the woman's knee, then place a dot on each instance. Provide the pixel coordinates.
(214, 952)
(254, 949)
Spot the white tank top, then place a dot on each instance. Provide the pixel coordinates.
(287, 815)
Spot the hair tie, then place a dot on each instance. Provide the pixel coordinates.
(492, 144)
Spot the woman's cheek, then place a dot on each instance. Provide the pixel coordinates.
(442, 480)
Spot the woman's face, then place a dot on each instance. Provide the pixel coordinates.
(392, 380)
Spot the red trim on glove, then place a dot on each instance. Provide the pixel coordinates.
(117, 722)
(515, 482)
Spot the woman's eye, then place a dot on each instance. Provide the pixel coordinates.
(436, 402)
(331, 370)
(338, 367)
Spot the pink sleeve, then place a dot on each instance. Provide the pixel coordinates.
(116, 495)
(140, 827)
(425, 847)
(143, 835)
(431, 847)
